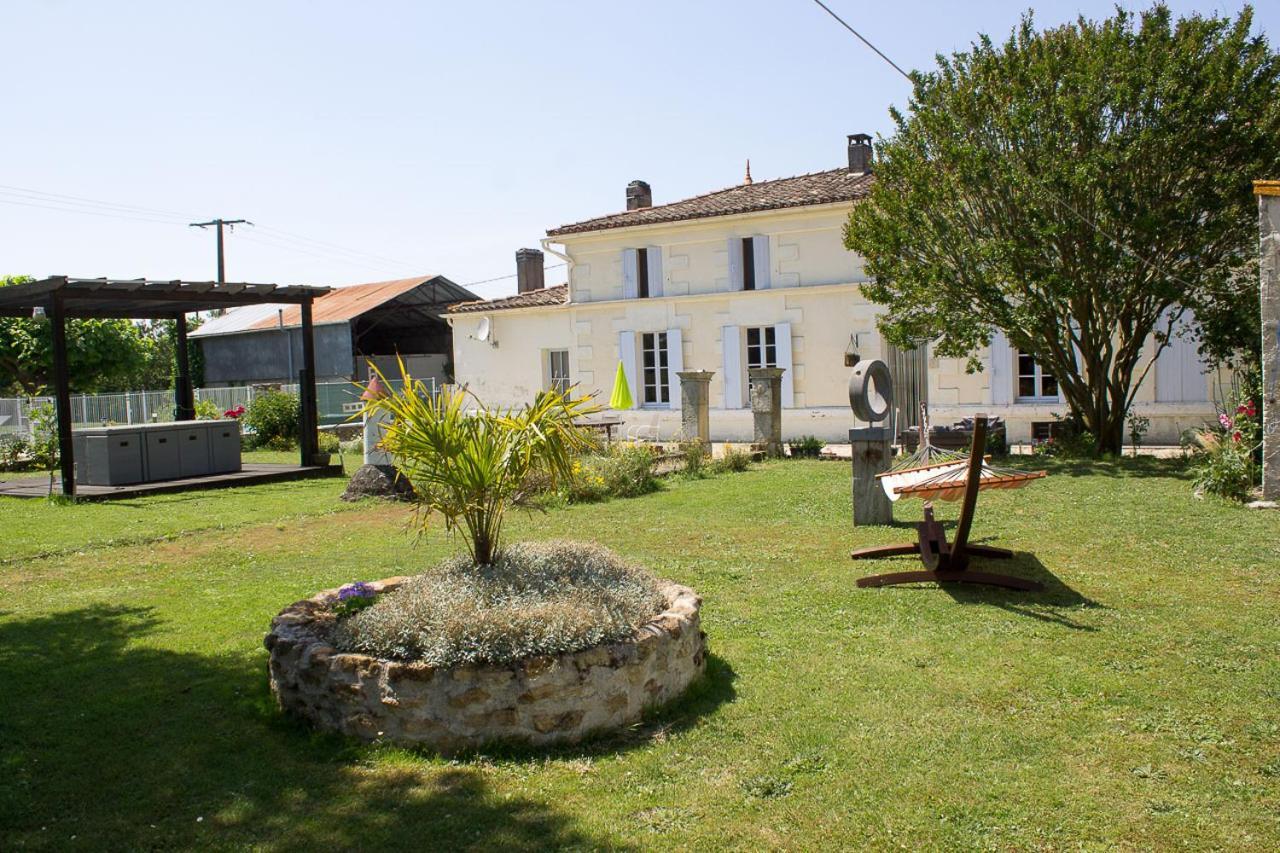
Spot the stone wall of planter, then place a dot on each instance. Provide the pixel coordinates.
(539, 700)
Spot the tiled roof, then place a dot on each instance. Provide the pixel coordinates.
(557, 295)
(816, 188)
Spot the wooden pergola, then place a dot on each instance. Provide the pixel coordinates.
(62, 297)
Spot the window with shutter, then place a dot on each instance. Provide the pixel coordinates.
(748, 264)
(654, 369)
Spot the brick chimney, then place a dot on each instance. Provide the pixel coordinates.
(859, 153)
(529, 276)
(639, 195)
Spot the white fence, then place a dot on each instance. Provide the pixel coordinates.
(335, 401)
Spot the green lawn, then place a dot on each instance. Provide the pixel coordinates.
(1134, 703)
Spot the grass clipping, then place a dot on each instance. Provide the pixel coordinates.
(544, 598)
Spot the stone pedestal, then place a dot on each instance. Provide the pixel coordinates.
(1269, 272)
(695, 404)
(872, 454)
(373, 454)
(766, 408)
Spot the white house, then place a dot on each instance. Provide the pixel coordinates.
(755, 275)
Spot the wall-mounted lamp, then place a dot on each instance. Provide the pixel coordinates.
(37, 313)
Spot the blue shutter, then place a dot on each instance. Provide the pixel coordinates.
(735, 263)
(629, 288)
(675, 364)
(760, 247)
(731, 341)
(627, 353)
(1001, 369)
(782, 338)
(654, 257)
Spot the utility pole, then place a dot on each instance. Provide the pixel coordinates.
(230, 223)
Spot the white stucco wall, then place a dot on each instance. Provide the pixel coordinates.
(814, 290)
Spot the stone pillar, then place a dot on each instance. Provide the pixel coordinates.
(695, 404)
(872, 453)
(1269, 271)
(766, 408)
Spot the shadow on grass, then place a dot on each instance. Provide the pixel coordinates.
(119, 744)
(1118, 468)
(1050, 604)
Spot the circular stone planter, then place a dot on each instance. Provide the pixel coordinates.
(539, 700)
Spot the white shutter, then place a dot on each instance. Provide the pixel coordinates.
(629, 288)
(782, 337)
(760, 248)
(1179, 370)
(731, 340)
(1001, 369)
(654, 257)
(735, 263)
(627, 352)
(675, 364)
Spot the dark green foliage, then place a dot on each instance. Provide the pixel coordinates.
(102, 355)
(273, 417)
(1006, 197)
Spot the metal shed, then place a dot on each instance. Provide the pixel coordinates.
(355, 323)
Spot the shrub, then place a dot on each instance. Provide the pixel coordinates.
(14, 452)
(733, 459)
(207, 410)
(626, 471)
(694, 455)
(273, 418)
(807, 446)
(535, 599)
(1070, 440)
(329, 443)
(1226, 462)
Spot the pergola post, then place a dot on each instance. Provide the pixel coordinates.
(308, 439)
(184, 395)
(62, 395)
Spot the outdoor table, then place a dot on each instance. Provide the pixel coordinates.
(606, 425)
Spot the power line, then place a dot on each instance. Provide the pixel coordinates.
(1115, 241)
(512, 275)
(89, 212)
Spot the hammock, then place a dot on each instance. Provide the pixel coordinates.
(932, 473)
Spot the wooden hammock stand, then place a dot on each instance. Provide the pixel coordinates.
(948, 561)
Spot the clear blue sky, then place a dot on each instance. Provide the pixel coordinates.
(437, 137)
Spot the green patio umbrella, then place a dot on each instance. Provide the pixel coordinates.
(621, 396)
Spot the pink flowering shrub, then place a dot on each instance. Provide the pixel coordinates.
(1226, 462)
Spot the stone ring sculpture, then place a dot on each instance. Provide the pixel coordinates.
(871, 390)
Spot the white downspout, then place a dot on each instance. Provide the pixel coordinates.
(546, 247)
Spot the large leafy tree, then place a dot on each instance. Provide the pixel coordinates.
(102, 355)
(1077, 188)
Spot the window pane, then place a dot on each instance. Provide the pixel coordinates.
(770, 335)
(748, 265)
(771, 356)
(1026, 386)
(1048, 386)
(1026, 365)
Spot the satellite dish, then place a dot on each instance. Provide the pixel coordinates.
(484, 330)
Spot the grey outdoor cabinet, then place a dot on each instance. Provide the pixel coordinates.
(144, 453)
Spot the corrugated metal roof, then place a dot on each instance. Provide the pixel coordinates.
(340, 305)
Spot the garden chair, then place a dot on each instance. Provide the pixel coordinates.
(644, 431)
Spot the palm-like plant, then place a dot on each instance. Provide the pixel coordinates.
(471, 465)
